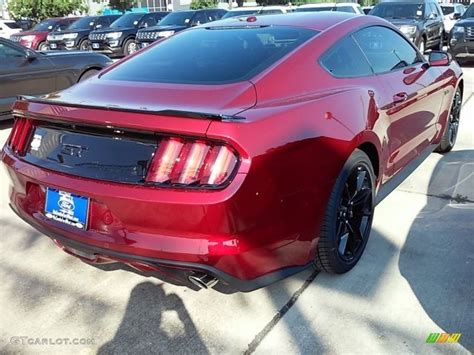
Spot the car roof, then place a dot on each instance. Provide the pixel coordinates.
(319, 21)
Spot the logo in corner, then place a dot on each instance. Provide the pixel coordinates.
(443, 338)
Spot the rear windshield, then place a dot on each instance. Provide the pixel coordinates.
(239, 13)
(315, 9)
(447, 10)
(12, 25)
(216, 55)
(270, 11)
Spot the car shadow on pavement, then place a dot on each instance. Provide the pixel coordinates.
(141, 329)
(439, 266)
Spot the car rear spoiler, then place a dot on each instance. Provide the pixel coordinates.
(167, 112)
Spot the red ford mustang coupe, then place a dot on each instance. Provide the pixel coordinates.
(234, 153)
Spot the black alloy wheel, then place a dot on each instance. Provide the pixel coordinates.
(85, 45)
(347, 223)
(355, 213)
(452, 125)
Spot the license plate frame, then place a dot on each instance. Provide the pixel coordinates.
(67, 208)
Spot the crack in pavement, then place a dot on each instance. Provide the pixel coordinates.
(279, 315)
(458, 198)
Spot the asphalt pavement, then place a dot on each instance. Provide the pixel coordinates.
(415, 278)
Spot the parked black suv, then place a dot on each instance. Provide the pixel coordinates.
(76, 36)
(420, 20)
(461, 37)
(119, 39)
(175, 22)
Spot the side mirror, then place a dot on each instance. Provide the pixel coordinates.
(456, 16)
(30, 56)
(432, 16)
(439, 59)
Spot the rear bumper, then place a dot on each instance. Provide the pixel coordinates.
(218, 233)
(175, 272)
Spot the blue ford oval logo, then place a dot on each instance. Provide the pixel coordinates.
(66, 202)
(66, 205)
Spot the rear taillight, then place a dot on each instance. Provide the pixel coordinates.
(184, 162)
(20, 135)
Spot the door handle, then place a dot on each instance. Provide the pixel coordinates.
(400, 97)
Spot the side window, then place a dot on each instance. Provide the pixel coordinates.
(158, 17)
(199, 18)
(385, 49)
(102, 22)
(213, 16)
(349, 9)
(345, 60)
(148, 21)
(61, 26)
(7, 52)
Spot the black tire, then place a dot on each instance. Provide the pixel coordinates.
(452, 126)
(85, 45)
(87, 74)
(129, 47)
(338, 251)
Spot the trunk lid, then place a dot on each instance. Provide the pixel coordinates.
(91, 153)
(106, 131)
(228, 99)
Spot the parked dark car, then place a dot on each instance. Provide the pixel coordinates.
(26, 24)
(236, 153)
(76, 36)
(461, 37)
(420, 20)
(36, 37)
(119, 39)
(25, 71)
(175, 22)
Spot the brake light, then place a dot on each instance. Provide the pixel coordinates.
(191, 163)
(20, 135)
